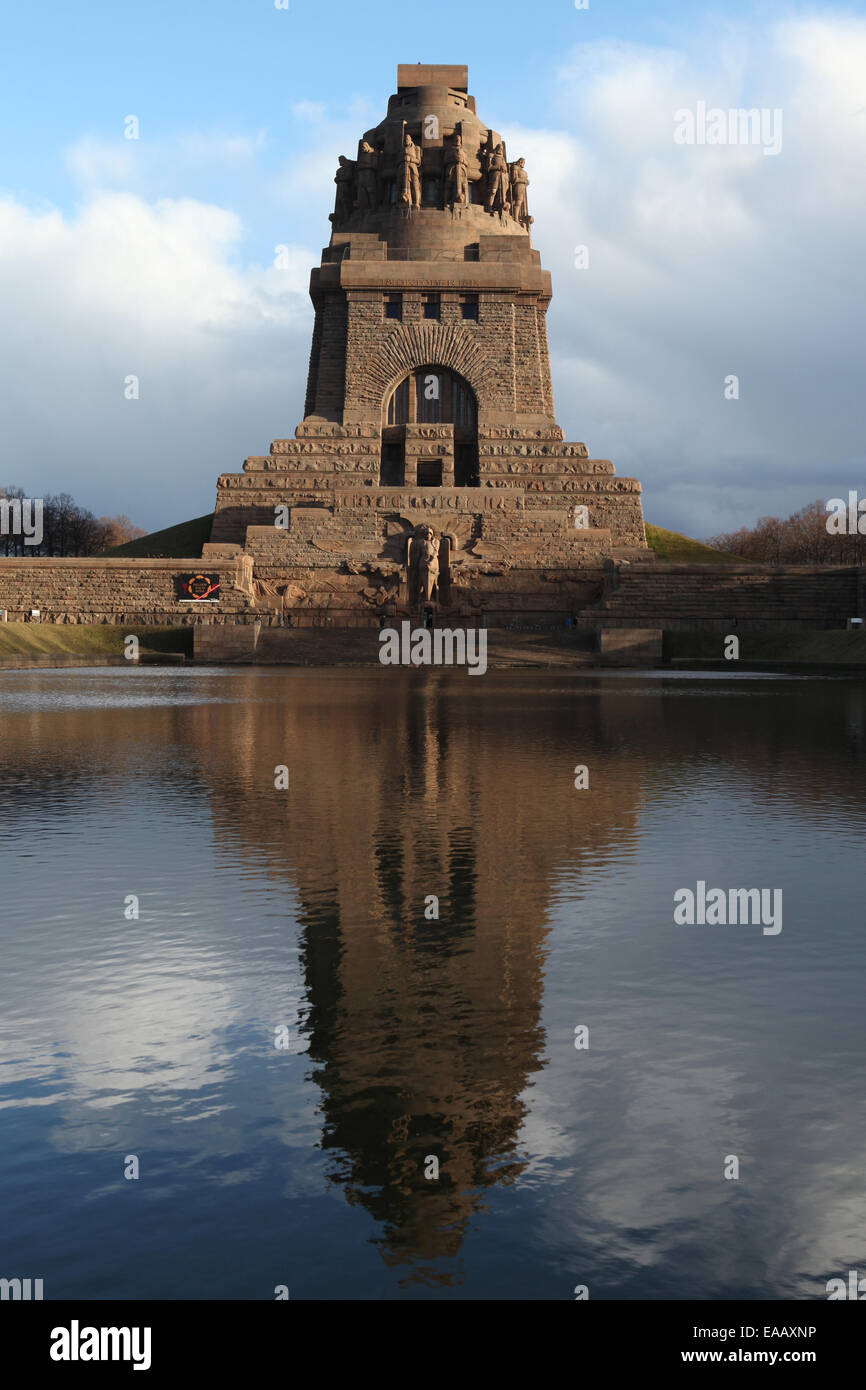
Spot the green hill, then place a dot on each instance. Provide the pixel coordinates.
(671, 546)
(89, 640)
(182, 542)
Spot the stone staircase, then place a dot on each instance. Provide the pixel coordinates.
(752, 597)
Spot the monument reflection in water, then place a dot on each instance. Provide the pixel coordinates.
(411, 1037)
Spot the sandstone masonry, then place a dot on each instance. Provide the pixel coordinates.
(429, 411)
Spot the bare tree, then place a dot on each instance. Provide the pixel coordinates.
(803, 539)
(67, 528)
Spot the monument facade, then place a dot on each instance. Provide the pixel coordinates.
(429, 473)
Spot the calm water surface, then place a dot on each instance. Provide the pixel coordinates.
(405, 1037)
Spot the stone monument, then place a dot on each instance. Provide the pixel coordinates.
(429, 471)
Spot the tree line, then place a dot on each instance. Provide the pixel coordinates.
(802, 539)
(66, 527)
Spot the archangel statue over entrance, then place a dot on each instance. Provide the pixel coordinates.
(423, 565)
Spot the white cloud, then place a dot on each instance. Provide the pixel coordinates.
(150, 289)
(706, 261)
(313, 111)
(103, 163)
(98, 163)
(309, 173)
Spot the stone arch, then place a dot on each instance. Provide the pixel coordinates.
(419, 345)
(452, 410)
(459, 412)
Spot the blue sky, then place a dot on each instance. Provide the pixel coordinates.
(243, 68)
(155, 256)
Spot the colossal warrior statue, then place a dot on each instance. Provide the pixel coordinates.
(510, 523)
(345, 181)
(498, 193)
(519, 185)
(368, 162)
(455, 164)
(410, 173)
(456, 175)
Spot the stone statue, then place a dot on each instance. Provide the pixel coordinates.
(368, 193)
(456, 175)
(423, 563)
(519, 185)
(410, 173)
(498, 193)
(345, 180)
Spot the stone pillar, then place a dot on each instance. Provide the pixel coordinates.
(445, 434)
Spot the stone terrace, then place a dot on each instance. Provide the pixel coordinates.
(716, 597)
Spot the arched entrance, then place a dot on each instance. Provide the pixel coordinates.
(430, 396)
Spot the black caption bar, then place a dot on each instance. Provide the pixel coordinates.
(85, 1339)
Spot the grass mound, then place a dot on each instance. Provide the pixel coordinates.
(73, 639)
(181, 542)
(671, 546)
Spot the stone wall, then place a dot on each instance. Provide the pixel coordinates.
(291, 578)
(143, 592)
(728, 598)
